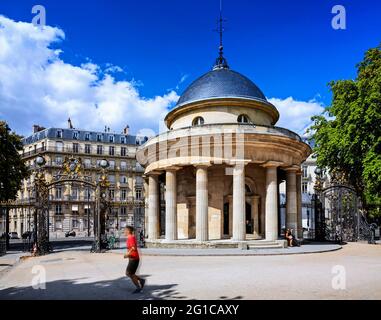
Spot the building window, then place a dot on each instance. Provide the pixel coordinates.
(75, 147)
(87, 136)
(74, 194)
(75, 135)
(123, 165)
(111, 138)
(58, 209)
(111, 178)
(87, 148)
(122, 140)
(58, 160)
(99, 137)
(75, 224)
(304, 170)
(43, 146)
(58, 193)
(198, 121)
(111, 194)
(123, 211)
(242, 118)
(123, 151)
(123, 194)
(111, 164)
(59, 146)
(123, 179)
(88, 194)
(59, 134)
(111, 150)
(138, 194)
(99, 149)
(304, 187)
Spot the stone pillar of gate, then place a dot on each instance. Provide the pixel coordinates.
(146, 201)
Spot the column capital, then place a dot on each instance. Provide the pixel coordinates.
(272, 164)
(153, 173)
(293, 168)
(172, 168)
(233, 163)
(204, 165)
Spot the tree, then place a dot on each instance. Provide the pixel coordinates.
(12, 168)
(348, 134)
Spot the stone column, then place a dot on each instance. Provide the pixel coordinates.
(271, 206)
(153, 207)
(255, 211)
(291, 200)
(170, 205)
(201, 203)
(230, 199)
(239, 225)
(299, 203)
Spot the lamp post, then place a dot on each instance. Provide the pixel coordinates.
(41, 214)
(101, 207)
(318, 207)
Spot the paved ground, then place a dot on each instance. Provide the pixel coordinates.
(81, 275)
(309, 248)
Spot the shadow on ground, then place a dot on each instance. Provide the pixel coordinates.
(117, 289)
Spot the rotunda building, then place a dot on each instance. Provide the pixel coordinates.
(219, 166)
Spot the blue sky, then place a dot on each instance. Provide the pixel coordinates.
(288, 48)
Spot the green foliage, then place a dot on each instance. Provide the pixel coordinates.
(348, 135)
(12, 167)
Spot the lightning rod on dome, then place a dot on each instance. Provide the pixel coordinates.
(221, 62)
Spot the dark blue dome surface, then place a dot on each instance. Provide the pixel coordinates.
(220, 83)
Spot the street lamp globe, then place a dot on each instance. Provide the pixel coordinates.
(40, 161)
(104, 164)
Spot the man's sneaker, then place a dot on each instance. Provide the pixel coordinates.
(142, 282)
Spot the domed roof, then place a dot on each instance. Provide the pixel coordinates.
(221, 83)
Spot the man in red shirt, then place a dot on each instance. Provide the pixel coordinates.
(133, 259)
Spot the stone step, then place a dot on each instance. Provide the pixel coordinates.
(274, 246)
(265, 244)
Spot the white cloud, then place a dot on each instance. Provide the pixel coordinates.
(296, 115)
(37, 86)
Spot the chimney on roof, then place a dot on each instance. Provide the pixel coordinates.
(70, 124)
(105, 128)
(37, 128)
(126, 130)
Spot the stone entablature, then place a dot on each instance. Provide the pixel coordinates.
(220, 144)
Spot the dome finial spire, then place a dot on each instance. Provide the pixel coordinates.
(221, 62)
